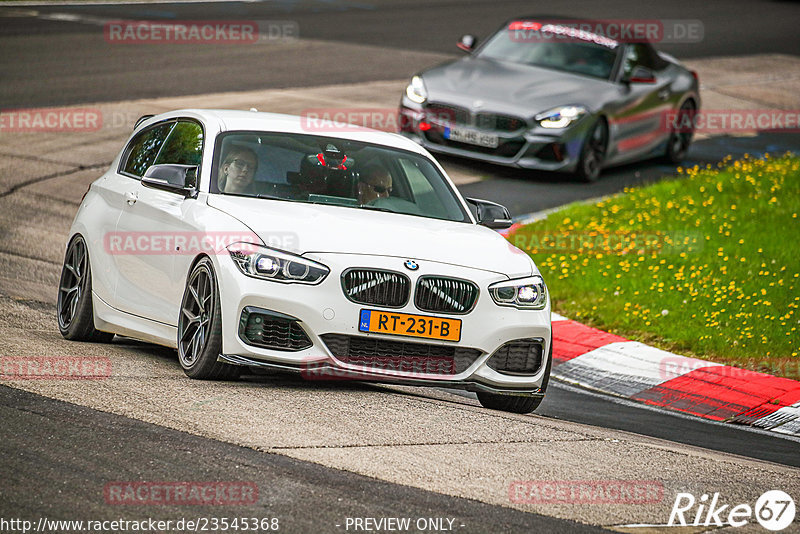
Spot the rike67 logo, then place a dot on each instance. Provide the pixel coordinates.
(774, 510)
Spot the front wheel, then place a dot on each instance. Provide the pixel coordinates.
(516, 403)
(200, 327)
(593, 153)
(74, 306)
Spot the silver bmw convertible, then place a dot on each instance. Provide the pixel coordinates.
(539, 94)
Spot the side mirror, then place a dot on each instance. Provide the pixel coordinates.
(467, 43)
(491, 215)
(640, 74)
(181, 179)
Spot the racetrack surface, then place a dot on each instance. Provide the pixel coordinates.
(425, 452)
(59, 62)
(71, 453)
(422, 438)
(425, 439)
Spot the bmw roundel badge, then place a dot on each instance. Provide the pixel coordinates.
(411, 265)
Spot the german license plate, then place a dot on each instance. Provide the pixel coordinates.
(472, 137)
(403, 324)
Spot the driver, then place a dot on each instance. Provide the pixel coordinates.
(238, 170)
(374, 182)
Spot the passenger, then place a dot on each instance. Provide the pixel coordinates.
(238, 170)
(374, 182)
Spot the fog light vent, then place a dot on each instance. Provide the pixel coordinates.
(519, 357)
(272, 330)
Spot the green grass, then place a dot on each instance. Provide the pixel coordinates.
(706, 265)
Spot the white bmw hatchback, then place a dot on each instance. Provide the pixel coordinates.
(248, 239)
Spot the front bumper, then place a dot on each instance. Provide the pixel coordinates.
(323, 311)
(530, 147)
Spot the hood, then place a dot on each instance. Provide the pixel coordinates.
(312, 228)
(512, 88)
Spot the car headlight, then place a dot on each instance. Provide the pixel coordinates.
(416, 90)
(528, 293)
(270, 264)
(560, 117)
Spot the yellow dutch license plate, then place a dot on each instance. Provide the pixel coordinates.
(404, 324)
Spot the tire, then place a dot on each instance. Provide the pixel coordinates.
(517, 403)
(74, 306)
(678, 142)
(200, 327)
(593, 153)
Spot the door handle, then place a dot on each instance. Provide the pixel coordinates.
(131, 197)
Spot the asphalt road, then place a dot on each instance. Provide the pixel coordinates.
(47, 62)
(573, 404)
(65, 455)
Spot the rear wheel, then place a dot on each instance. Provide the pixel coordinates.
(74, 306)
(680, 139)
(593, 153)
(516, 403)
(200, 327)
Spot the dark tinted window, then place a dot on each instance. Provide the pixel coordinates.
(586, 53)
(339, 172)
(144, 148)
(184, 146)
(642, 55)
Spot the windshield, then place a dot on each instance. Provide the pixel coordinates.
(325, 170)
(553, 46)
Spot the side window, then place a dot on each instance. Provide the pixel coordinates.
(644, 56)
(431, 197)
(143, 149)
(184, 146)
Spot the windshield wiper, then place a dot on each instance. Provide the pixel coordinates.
(376, 208)
(273, 197)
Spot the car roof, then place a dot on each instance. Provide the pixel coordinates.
(238, 120)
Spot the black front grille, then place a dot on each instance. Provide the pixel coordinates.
(447, 114)
(445, 295)
(444, 114)
(501, 123)
(520, 357)
(376, 287)
(401, 356)
(272, 330)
